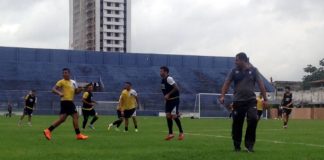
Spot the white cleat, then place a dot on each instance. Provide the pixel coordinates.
(91, 127)
(109, 126)
(29, 124)
(136, 130)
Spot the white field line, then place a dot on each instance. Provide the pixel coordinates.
(260, 140)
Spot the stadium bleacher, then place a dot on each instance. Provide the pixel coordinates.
(22, 69)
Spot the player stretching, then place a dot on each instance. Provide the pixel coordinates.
(244, 76)
(172, 98)
(287, 104)
(88, 107)
(30, 105)
(66, 89)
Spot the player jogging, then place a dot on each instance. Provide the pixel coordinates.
(259, 106)
(88, 107)
(244, 76)
(287, 105)
(30, 105)
(171, 94)
(66, 89)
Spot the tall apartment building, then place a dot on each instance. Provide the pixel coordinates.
(100, 25)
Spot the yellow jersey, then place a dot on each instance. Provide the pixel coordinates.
(68, 89)
(259, 103)
(123, 100)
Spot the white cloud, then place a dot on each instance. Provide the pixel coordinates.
(281, 37)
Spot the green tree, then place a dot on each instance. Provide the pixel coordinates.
(313, 74)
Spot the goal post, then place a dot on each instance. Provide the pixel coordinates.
(207, 105)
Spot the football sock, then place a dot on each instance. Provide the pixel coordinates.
(177, 120)
(77, 131)
(94, 119)
(51, 128)
(170, 123)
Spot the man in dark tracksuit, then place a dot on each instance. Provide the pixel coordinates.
(244, 76)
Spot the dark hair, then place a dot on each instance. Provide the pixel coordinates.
(165, 68)
(242, 56)
(33, 90)
(66, 69)
(88, 85)
(287, 87)
(129, 83)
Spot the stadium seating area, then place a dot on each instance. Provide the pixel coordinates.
(22, 69)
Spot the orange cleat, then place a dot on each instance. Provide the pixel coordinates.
(81, 137)
(47, 134)
(169, 137)
(181, 137)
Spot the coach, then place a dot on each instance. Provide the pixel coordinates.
(244, 76)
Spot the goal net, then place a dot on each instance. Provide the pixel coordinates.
(103, 107)
(207, 105)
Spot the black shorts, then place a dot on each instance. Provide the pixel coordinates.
(68, 107)
(171, 104)
(129, 112)
(28, 111)
(260, 112)
(119, 115)
(286, 111)
(91, 112)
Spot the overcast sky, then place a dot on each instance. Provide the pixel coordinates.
(280, 36)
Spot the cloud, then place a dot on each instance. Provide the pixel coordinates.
(280, 37)
(36, 23)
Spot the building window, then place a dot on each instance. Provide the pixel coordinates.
(108, 3)
(108, 26)
(108, 19)
(109, 11)
(116, 19)
(108, 49)
(116, 42)
(116, 12)
(117, 49)
(108, 34)
(117, 4)
(116, 27)
(109, 41)
(116, 34)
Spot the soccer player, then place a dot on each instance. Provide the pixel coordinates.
(259, 106)
(134, 101)
(171, 94)
(131, 104)
(120, 110)
(287, 104)
(244, 76)
(66, 89)
(88, 107)
(30, 105)
(9, 114)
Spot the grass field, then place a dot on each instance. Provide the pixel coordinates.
(205, 139)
